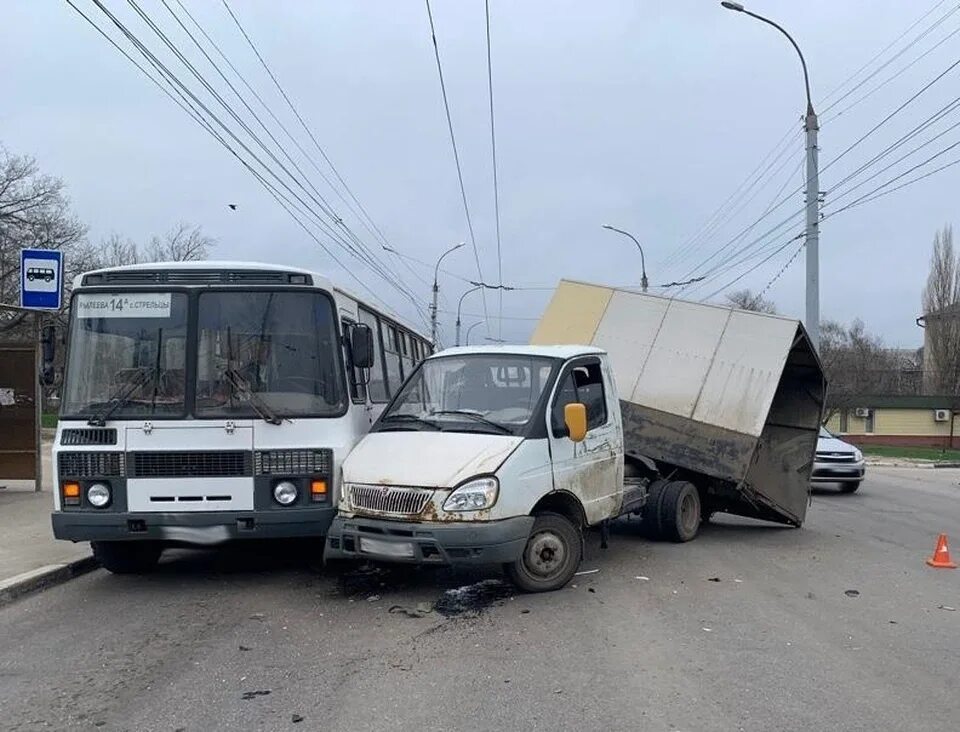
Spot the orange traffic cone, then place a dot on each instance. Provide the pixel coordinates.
(941, 555)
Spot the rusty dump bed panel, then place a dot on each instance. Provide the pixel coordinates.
(733, 396)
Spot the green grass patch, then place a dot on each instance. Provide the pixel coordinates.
(48, 421)
(913, 453)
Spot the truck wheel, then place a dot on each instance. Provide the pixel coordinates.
(650, 515)
(551, 556)
(680, 511)
(127, 557)
(850, 487)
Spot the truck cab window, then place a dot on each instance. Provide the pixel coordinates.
(583, 384)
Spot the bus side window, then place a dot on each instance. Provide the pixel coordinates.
(354, 375)
(377, 388)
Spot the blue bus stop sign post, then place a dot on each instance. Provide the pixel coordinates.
(41, 279)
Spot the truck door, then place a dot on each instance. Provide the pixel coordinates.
(593, 469)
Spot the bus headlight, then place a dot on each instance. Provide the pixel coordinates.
(474, 495)
(98, 495)
(285, 492)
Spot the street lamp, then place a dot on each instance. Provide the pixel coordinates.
(470, 330)
(811, 127)
(460, 305)
(436, 290)
(643, 264)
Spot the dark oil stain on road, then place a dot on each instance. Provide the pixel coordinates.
(473, 599)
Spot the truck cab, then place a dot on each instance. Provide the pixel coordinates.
(490, 455)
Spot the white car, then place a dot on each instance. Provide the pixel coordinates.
(837, 461)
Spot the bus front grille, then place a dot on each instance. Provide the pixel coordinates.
(389, 499)
(191, 464)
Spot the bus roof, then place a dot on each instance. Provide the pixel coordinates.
(563, 352)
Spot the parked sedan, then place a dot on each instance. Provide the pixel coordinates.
(837, 461)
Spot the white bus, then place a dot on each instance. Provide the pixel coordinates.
(209, 401)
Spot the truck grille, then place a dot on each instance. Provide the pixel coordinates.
(90, 464)
(835, 457)
(292, 462)
(190, 464)
(389, 499)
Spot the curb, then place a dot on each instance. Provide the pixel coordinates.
(43, 578)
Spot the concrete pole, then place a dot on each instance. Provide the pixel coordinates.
(436, 291)
(460, 305)
(813, 230)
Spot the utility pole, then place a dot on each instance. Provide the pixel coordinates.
(470, 330)
(811, 126)
(436, 292)
(460, 305)
(643, 264)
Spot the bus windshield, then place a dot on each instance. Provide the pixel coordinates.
(127, 354)
(263, 350)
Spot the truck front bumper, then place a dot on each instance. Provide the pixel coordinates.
(192, 528)
(453, 543)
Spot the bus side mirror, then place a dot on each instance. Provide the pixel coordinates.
(361, 346)
(48, 347)
(575, 417)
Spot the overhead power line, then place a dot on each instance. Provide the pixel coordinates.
(456, 158)
(496, 187)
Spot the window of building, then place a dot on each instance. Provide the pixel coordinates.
(868, 422)
(843, 422)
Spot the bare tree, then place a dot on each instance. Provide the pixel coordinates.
(857, 364)
(34, 212)
(746, 300)
(941, 307)
(183, 243)
(116, 251)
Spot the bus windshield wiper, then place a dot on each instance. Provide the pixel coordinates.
(476, 416)
(121, 396)
(241, 386)
(411, 418)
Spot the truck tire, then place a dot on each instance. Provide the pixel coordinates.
(679, 511)
(551, 556)
(127, 557)
(650, 516)
(850, 487)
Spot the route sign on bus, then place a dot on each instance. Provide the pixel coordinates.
(41, 279)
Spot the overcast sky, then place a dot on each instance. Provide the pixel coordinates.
(646, 115)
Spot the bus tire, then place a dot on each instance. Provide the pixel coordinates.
(551, 556)
(680, 511)
(127, 557)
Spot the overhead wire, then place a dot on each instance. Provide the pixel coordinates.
(496, 186)
(456, 158)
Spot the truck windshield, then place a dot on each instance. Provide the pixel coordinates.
(270, 352)
(488, 392)
(127, 354)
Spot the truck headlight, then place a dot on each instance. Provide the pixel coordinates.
(99, 495)
(474, 495)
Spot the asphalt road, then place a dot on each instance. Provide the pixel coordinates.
(245, 639)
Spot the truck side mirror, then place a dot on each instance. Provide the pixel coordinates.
(361, 346)
(48, 347)
(575, 417)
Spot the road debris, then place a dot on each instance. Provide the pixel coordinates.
(586, 571)
(707, 630)
(422, 609)
(642, 578)
(852, 593)
(738, 581)
(296, 718)
(473, 599)
(255, 694)
(713, 579)
(245, 648)
(373, 598)
(258, 616)
(590, 589)
(946, 607)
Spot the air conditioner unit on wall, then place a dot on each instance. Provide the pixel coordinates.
(862, 412)
(941, 415)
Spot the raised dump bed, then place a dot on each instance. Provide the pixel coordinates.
(729, 399)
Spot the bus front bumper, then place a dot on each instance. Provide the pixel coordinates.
(193, 527)
(453, 543)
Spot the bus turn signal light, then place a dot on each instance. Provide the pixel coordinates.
(71, 494)
(318, 490)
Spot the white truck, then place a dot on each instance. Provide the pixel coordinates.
(505, 454)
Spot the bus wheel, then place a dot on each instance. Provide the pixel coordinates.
(127, 557)
(551, 556)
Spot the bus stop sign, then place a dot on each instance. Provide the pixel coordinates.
(41, 279)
